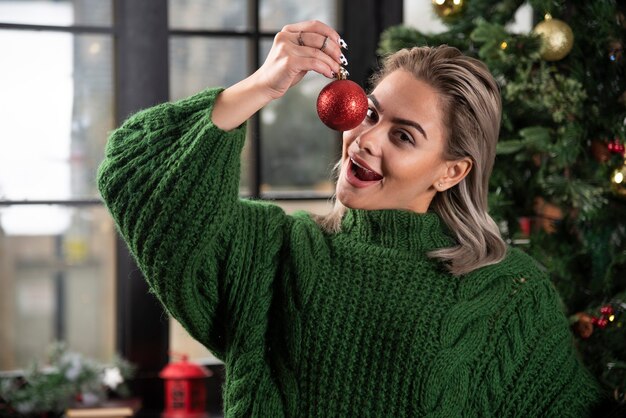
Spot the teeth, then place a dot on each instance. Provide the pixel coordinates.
(359, 165)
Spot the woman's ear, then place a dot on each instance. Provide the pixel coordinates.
(455, 172)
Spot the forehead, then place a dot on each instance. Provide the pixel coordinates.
(401, 92)
(402, 95)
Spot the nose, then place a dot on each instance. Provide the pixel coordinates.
(370, 140)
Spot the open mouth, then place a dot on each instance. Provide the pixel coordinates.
(362, 174)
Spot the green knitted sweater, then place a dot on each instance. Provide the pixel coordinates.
(309, 324)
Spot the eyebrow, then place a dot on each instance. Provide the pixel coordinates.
(398, 120)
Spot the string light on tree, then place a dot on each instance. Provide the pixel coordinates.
(557, 38)
(618, 183)
(448, 8)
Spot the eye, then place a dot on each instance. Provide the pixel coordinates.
(371, 114)
(404, 137)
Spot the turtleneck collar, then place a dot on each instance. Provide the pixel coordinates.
(398, 229)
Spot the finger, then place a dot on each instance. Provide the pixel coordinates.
(322, 43)
(314, 26)
(299, 64)
(319, 67)
(287, 45)
(310, 52)
(321, 56)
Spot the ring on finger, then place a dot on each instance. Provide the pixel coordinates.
(324, 44)
(300, 41)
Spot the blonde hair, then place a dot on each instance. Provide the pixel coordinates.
(472, 108)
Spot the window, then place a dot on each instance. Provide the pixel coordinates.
(77, 69)
(57, 264)
(219, 43)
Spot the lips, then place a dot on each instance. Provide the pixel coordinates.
(360, 174)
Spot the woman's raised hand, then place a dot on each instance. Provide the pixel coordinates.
(297, 49)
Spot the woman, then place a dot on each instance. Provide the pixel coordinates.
(404, 301)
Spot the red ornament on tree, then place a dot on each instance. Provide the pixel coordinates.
(342, 104)
(603, 322)
(616, 147)
(606, 310)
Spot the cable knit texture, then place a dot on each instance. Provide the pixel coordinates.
(356, 324)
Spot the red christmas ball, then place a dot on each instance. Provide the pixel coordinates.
(342, 105)
(616, 147)
(603, 322)
(606, 310)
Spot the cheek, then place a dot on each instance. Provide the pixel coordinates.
(420, 166)
(348, 138)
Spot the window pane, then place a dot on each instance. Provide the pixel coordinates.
(298, 150)
(197, 63)
(55, 113)
(57, 273)
(57, 12)
(274, 14)
(211, 14)
(183, 343)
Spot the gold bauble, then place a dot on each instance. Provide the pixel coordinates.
(618, 182)
(558, 38)
(448, 8)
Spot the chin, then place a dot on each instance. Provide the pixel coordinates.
(350, 201)
(349, 197)
(344, 197)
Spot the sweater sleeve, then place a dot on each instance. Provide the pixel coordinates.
(545, 376)
(170, 179)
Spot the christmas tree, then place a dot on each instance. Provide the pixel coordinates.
(558, 189)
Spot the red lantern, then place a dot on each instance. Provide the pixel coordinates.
(185, 391)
